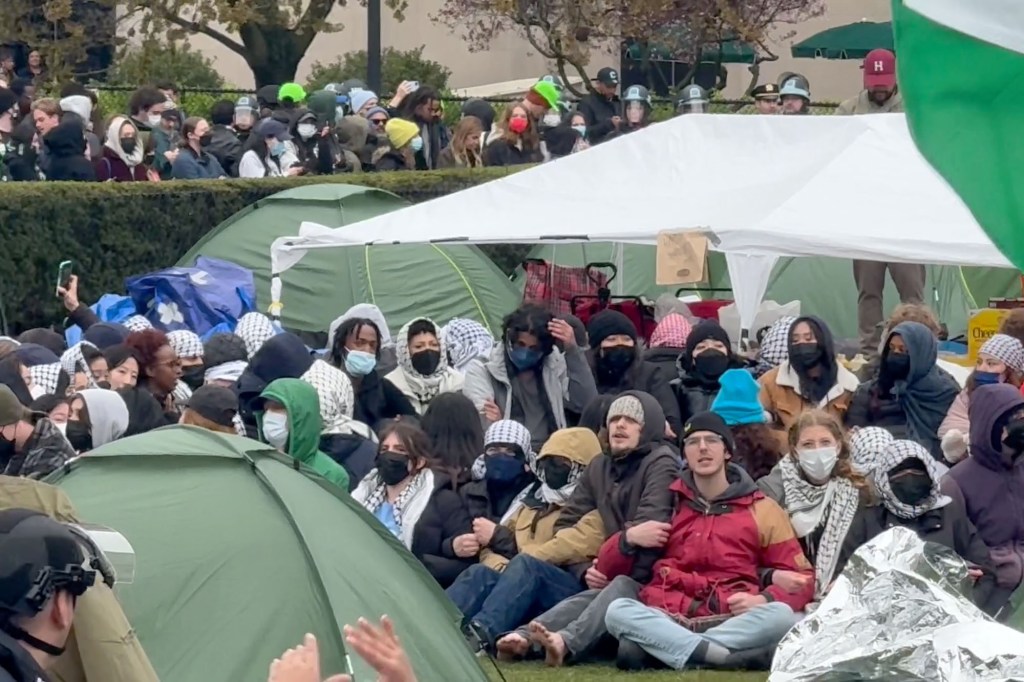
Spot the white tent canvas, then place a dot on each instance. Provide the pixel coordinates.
(759, 186)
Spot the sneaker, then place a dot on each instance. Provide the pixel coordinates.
(479, 636)
(749, 659)
(631, 656)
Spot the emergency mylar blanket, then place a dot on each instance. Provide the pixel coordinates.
(897, 613)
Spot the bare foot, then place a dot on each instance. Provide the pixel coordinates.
(554, 645)
(512, 647)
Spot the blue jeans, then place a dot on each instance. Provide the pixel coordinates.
(501, 601)
(672, 644)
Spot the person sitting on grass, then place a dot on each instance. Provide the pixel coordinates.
(724, 535)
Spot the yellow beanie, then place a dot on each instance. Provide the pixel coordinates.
(400, 132)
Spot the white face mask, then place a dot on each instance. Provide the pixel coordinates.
(817, 463)
(62, 427)
(37, 392)
(306, 130)
(154, 120)
(552, 120)
(275, 429)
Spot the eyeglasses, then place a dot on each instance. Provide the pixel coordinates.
(174, 364)
(378, 121)
(709, 438)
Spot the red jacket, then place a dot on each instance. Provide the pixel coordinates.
(717, 550)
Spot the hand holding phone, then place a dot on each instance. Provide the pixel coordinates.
(64, 275)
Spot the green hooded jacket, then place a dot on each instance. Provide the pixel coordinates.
(304, 425)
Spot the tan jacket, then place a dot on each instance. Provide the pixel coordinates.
(862, 104)
(779, 396)
(103, 646)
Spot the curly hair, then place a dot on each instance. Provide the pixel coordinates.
(146, 345)
(913, 312)
(1013, 324)
(531, 319)
(222, 348)
(757, 449)
(844, 463)
(452, 424)
(346, 330)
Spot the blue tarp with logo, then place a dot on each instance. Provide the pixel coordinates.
(206, 298)
(110, 308)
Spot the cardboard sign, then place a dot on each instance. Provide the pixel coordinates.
(681, 258)
(981, 327)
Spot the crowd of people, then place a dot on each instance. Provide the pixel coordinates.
(283, 131)
(580, 492)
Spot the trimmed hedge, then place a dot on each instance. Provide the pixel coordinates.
(115, 230)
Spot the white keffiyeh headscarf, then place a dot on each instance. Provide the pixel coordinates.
(185, 343)
(337, 399)
(897, 452)
(73, 362)
(466, 340)
(867, 446)
(181, 394)
(422, 388)
(46, 377)
(255, 329)
(774, 345)
(508, 432)
(372, 493)
(137, 323)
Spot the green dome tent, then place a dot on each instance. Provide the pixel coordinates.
(238, 555)
(825, 286)
(405, 281)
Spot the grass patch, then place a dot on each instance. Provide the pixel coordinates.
(536, 672)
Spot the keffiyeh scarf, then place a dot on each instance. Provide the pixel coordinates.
(807, 504)
(671, 332)
(426, 387)
(866, 448)
(896, 453)
(466, 340)
(774, 346)
(137, 323)
(560, 496)
(46, 377)
(508, 432)
(185, 343)
(73, 362)
(255, 329)
(337, 398)
(409, 506)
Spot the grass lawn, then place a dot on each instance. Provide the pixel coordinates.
(535, 672)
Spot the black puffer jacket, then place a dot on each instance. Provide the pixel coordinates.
(695, 394)
(444, 519)
(488, 501)
(377, 399)
(65, 146)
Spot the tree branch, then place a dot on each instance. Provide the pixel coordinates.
(307, 26)
(195, 27)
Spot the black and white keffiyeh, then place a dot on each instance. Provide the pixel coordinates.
(181, 394)
(834, 504)
(255, 329)
(73, 362)
(560, 496)
(867, 446)
(425, 387)
(505, 432)
(897, 452)
(409, 506)
(137, 323)
(1006, 349)
(185, 343)
(46, 377)
(774, 346)
(337, 399)
(466, 341)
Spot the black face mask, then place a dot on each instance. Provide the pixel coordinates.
(194, 376)
(912, 488)
(555, 471)
(897, 366)
(616, 360)
(205, 140)
(426, 361)
(128, 145)
(804, 356)
(392, 467)
(79, 436)
(711, 363)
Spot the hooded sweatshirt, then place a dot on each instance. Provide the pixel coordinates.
(992, 487)
(65, 146)
(108, 415)
(420, 389)
(304, 425)
(281, 356)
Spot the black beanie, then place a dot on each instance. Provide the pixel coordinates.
(712, 422)
(104, 335)
(609, 323)
(47, 338)
(707, 329)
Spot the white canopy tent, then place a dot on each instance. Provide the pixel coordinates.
(759, 187)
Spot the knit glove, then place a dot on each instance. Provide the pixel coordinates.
(954, 446)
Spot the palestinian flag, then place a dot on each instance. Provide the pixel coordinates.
(961, 73)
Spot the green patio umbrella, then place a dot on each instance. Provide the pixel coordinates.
(851, 41)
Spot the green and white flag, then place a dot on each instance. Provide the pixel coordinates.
(961, 73)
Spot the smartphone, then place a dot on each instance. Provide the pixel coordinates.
(414, 86)
(64, 273)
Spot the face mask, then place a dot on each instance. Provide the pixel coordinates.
(582, 130)
(987, 378)
(277, 149)
(154, 120)
(128, 145)
(62, 427)
(503, 468)
(817, 463)
(37, 392)
(911, 489)
(524, 358)
(416, 144)
(426, 361)
(552, 120)
(617, 359)
(518, 125)
(78, 435)
(392, 467)
(306, 130)
(554, 473)
(711, 364)
(359, 363)
(897, 366)
(804, 355)
(275, 429)
(194, 377)
(205, 140)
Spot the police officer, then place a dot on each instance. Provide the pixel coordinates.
(637, 101)
(42, 575)
(766, 98)
(693, 100)
(796, 95)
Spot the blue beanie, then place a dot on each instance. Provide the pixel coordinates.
(737, 402)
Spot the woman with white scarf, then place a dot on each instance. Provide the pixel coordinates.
(423, 371)
(415, 503)
(819, 489)
(907, 480)
(524, 568)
